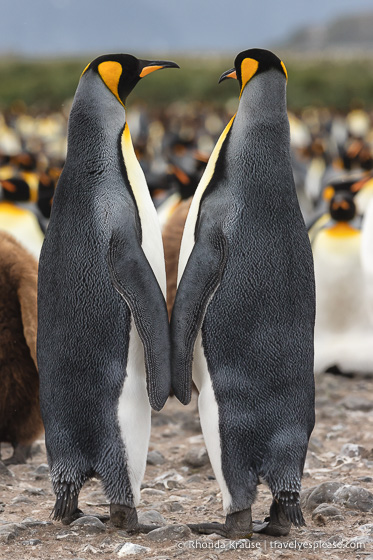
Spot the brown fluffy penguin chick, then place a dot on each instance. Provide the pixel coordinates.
(20, 419)
(172, 234)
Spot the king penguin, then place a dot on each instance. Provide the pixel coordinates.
(243, 319)
(343, 331)
(103, 346)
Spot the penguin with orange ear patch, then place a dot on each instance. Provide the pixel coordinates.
(20, 418)
(243, 318)
(103, 330)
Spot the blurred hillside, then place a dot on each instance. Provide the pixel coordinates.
(320, 81)
(345, 36)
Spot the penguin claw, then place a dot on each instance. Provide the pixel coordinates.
(276, 525)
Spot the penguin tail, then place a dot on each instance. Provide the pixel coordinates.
(66, 501)
(290, 503)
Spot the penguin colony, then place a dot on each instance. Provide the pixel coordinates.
(242, 323)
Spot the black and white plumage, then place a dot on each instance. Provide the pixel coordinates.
(243, 318)
(103, 333)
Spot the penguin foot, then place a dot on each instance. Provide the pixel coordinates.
(20, 454)
(125, 517)
(276, 525)
(237, 525)
(72, 517)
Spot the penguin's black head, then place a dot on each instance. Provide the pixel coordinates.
(252, 62)
(342, 207)
(121, 72)
(15, 190)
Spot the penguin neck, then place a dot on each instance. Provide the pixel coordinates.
(96, 123)
(263, 100)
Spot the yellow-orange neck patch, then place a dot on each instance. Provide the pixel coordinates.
(284, 69)
(342, 229)
(110, 72)
(249, 66)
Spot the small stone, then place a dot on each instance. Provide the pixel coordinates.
(15, 528)
(169, 533)
(197, 457)
(90, 548)
(354, 497)
(7, 537)
(32, 542)
(176, 507)
(5, 472)
(89, 522)
(22, 500)
(319, 519)
(323, 493)
(359, 541)
(67, 535)
(30, 522)
(367, 528)
(365, 478)
(128, 549)
(34, 491)
(155, 458)
(169, 479)
(335, 539)
(195, 478)
(151, 517)
(357, 403)
(353, 450)
(326, 510)
(42, 469)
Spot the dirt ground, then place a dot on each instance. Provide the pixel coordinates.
(183, 493)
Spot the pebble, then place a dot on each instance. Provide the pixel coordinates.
(7, 537)
(326, 510)
(34, 491)
(323, 493)
(67, 535)
(30, 522)
(151, 517)
(90, 548)
(197, 457)
(5, 472)
(155, 458)
(176, 507)
(170, 479)
(357, 403)
(22, 500)
(32, 542)
(169, 533)
(354, 497)
(128, 549)
(15, 528)
(89, 522)
(367, 528)
(354, 450)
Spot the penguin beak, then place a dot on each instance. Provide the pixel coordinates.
(148, 66)
(228, 74)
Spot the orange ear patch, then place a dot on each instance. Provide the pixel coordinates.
(249, 66)
(110, 72)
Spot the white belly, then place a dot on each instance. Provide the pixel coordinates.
(209, 416)
(134, 414)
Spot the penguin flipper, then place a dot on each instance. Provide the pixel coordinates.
(134, 279)
(198, 284)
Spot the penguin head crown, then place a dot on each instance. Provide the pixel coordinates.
(121, 72)
(252, 62)
(342, 207)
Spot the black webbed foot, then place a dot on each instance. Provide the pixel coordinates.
(237, 525)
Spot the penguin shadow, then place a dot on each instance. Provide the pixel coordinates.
(20, 417)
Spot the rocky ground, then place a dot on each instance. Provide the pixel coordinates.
(179, 487)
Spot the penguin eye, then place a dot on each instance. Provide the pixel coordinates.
(249, 66)
(110, 72)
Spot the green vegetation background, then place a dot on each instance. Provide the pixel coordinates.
(47, 84)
